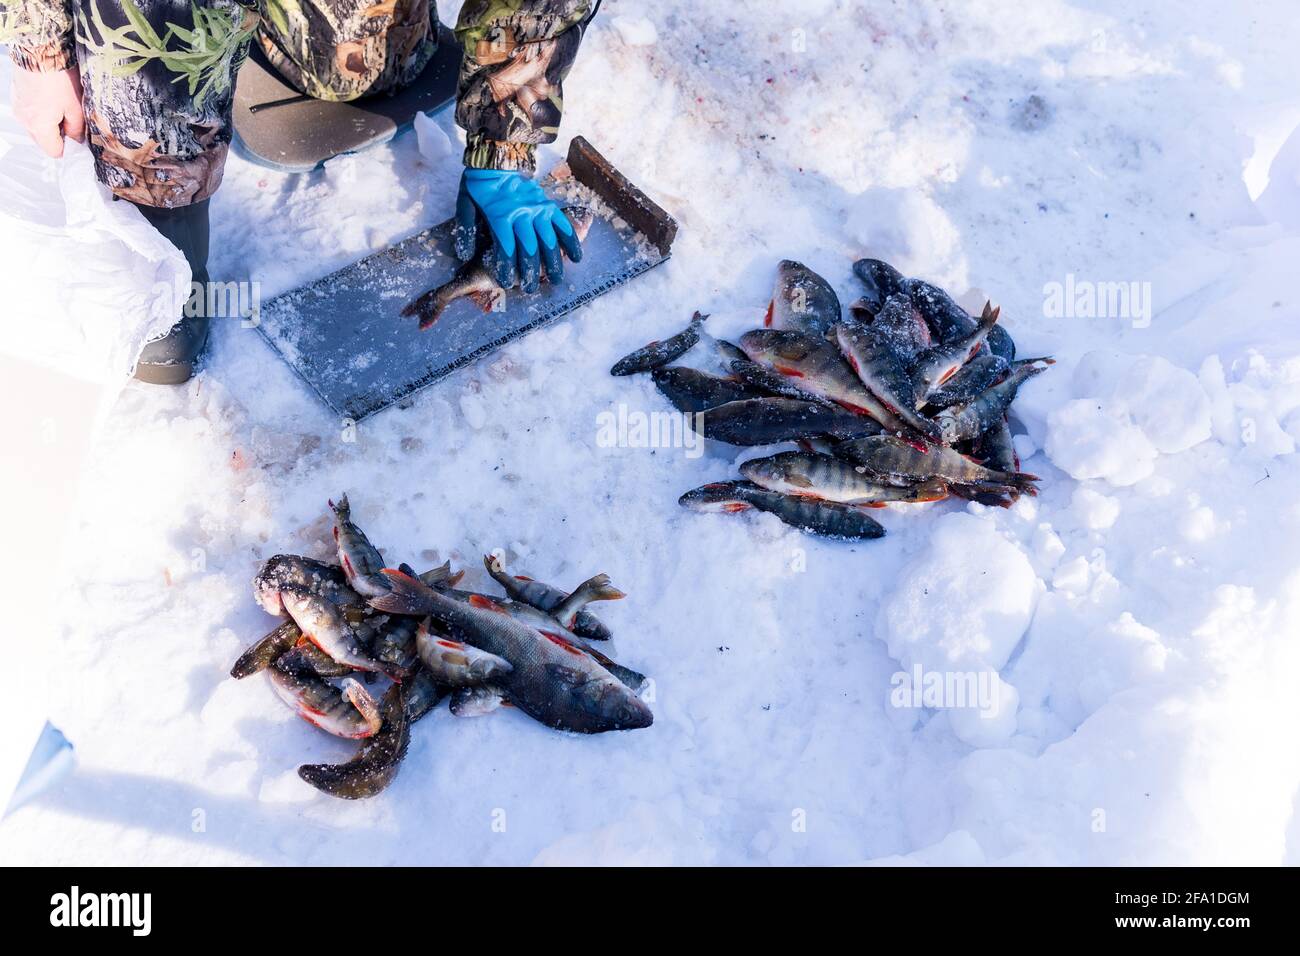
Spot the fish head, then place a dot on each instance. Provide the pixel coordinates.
(801, 299)
(880, 278)
(613, 704)
(307, 609)
(719, 497)
(786, 470)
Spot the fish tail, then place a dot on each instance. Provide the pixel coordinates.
(597, 588)
(439, 575)
(360, 698)
(989, 317)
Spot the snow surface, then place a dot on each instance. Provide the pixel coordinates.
(1139, 616)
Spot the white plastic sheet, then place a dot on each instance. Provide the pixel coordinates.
(87, 281)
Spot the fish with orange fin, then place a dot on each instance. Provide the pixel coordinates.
(825, 518)
(361, 560)
(326, 626)
(552, 680)
(833, 479)
(817, 367)
(456, 663)
(474, 280)
(882, 372)
(344, 711)
(937, 364)
(545, 597)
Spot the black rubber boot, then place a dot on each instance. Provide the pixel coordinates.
(171, 359)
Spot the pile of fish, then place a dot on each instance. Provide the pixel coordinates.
(904, 398)
(532, 649)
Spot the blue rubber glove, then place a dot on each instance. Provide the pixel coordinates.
(528, 229)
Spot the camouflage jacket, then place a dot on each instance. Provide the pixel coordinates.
(157, 75)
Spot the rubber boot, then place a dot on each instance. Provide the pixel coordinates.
(171, 359)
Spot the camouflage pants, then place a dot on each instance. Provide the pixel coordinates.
(158, 75)
(343, 49)
(157, 84)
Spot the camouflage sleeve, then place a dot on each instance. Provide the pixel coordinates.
(39, 33)
(510, 97)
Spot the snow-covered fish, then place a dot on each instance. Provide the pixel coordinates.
(972, 419)
(825, 518)
(802, 301)
(344, 711)
(325, 625)
(659, 353)
(282, 570)
(361, 561)
(882, 372)
(894, 460)
(544, 597)
(947, 320)
(456, 663)
(766, 421)
(899, 323)
(553, 680)
(375, 765)
(833, 479)
(817, 367)
(881, 280)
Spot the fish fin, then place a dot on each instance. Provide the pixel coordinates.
(989, 316)
(438, 575)
(597, 588)
(485, 603)
(767, 318)
(406, 595)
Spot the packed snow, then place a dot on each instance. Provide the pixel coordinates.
(1129, 635)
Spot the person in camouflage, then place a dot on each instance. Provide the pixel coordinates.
(151, 83)
(343, 49)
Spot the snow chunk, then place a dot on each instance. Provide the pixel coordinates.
(1095, 438)
(1166, 402)
(994, 721)
(1093, 510)
(908, 229)
(635, 31)
(961, 605)
(432, 140)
